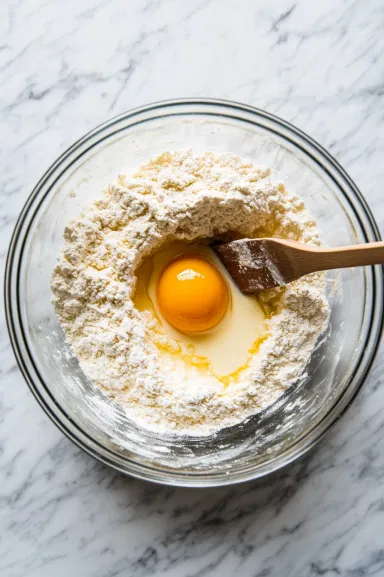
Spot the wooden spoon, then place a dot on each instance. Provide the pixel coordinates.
(257, 264)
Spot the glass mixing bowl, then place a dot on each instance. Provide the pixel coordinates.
(338, 367)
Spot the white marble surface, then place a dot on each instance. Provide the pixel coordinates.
(67, 66)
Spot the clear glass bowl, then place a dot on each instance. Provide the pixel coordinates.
(338, 368)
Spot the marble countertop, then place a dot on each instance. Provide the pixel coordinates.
(67, 66)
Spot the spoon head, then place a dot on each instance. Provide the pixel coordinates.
(255, 264)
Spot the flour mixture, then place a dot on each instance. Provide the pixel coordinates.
(173, 375)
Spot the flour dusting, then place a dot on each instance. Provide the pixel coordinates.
(260, 260)
(181, 196)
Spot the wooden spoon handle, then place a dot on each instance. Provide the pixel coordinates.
(345, 256)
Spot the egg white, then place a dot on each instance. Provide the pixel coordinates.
(227, 347)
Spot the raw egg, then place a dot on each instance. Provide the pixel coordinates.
(213, 324)
(191, 294)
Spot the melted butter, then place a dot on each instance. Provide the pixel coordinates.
(141, 299)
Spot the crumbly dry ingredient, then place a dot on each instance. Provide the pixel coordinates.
(185, 197)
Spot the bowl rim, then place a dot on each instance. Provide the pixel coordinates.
(164, 475)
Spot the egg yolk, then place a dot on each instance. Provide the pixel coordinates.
(192, 295)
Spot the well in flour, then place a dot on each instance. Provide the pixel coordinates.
(185, 197)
